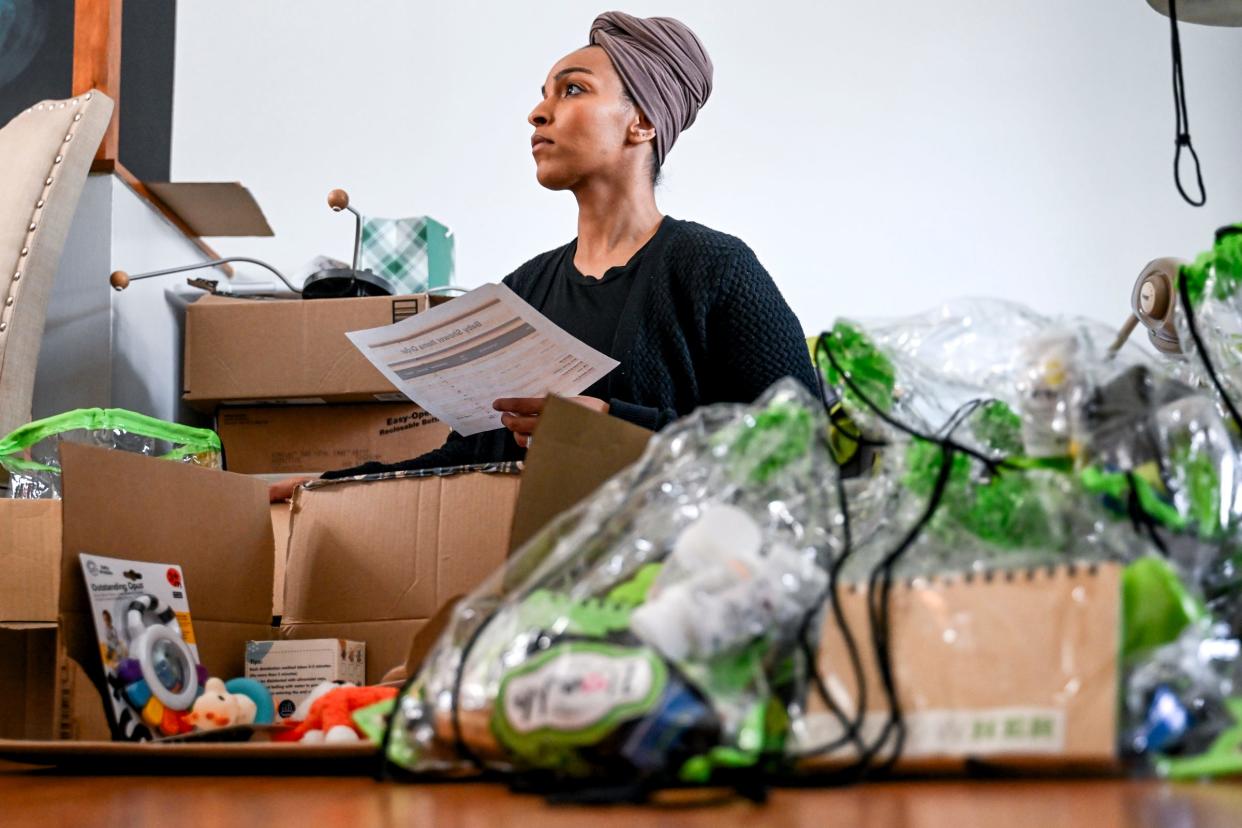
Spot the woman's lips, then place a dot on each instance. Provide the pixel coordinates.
(538, 142)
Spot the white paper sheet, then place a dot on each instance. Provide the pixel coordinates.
(456, 359)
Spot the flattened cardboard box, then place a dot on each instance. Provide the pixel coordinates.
(248, 350)
(312, 439)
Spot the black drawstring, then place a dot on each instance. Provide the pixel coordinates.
(879, 604)
(1183, 120)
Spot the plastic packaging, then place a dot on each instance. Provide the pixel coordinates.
(1056, 522)
(657, 630)
(1013, 441)
(31, 454)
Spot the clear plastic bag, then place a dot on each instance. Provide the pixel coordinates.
(657, 629)
(1061, 453)
(31, 454)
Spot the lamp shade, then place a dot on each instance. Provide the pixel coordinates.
(1206, 12)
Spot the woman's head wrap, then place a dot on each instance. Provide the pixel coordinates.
(664, 67)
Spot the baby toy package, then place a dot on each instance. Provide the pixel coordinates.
(146, 642)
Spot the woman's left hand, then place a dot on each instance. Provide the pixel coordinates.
(521, 414)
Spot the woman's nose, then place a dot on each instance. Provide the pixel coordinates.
(538, 116)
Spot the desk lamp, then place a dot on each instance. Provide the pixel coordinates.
(332, 283)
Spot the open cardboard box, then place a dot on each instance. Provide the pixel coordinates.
(356, 569)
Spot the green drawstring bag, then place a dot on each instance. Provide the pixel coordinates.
(31, 454)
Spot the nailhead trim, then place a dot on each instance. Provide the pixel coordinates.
(28, 242)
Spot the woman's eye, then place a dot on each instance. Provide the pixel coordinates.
(572, 89)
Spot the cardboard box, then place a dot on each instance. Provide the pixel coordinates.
(292, 669)
(1020, 668)
(43, 694)
(376, 558)
(29, 557)
(312, 439)
(249, 351)
(219, 528)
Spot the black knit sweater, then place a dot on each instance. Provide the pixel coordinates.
(704, 323)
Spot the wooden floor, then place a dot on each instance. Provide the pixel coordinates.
(44, 800)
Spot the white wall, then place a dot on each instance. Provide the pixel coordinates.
(878, 156)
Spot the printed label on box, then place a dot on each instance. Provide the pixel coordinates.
(1018, 731)
(291, 669)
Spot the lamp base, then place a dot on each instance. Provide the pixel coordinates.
(343, 283)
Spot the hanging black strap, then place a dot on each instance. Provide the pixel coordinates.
(1183, 120)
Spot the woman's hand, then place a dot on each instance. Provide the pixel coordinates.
(283, 490)
(521, 414)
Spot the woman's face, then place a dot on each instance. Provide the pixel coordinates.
(584, 125)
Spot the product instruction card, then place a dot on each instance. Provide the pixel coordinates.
(456, 359)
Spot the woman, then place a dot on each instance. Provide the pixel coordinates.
(689, 312)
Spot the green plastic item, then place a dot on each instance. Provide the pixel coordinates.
(776, 437)
(199, 444)
(1003, 509)
(1117, 486)
(373, 720)
(1223, 758)
(998, 427)
(1155, 604)
(868, 369)
(1223, 262)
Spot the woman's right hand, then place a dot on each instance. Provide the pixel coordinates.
(283, 490)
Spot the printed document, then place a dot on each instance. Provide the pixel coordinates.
(457, 358)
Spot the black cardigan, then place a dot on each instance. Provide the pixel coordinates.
(704, 323)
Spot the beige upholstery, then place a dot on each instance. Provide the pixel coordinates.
(45, 155)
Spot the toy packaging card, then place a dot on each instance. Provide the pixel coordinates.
(290, 670)
(146, 642)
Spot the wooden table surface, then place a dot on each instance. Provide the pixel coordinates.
(44, 799)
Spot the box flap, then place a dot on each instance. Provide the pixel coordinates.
(30, 550)
(574, 452)
(214, 524)
(316, 438)
(213, 208)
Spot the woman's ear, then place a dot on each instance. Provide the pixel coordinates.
(641, 130)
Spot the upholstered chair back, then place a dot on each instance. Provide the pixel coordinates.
(45, 156)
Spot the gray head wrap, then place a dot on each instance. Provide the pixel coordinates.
(664, 67)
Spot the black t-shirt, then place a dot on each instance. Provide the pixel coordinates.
(589, 308)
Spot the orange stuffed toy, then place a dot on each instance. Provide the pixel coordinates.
(330, 718)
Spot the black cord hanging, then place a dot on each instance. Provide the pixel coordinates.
(1183, 120)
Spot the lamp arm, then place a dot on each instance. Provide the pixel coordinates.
(121, 280)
